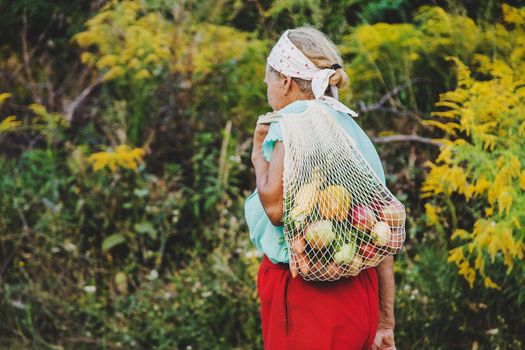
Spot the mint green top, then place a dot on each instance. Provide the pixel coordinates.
(269, 239)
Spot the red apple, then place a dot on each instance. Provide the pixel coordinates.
(380, 233)
(363, 217)
(397, 238)
(374, 261)
(393, 214)
(376, 205)
(370, 254)
(367, 251)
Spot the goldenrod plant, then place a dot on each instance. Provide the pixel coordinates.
(481, 165)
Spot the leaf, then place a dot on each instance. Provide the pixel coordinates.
(141, 192)
(146, 228)
(112, 241)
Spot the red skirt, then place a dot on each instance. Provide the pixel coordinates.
(299, 314)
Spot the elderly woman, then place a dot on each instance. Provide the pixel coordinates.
(351, 313)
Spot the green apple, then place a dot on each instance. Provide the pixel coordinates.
(345, 253)
(320, 234)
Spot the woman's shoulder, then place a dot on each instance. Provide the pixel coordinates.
(294, 107)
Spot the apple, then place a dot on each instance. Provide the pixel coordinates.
(332, 271)
(367, 251)
(373, 261)
(328, 271)
(393, 214)
(397, 238)
(345, 253)
(355, 266)
(370, 255)
(381, 233)
(362, 217)
(320, 234)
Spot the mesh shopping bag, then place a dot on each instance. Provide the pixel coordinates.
(339, 218)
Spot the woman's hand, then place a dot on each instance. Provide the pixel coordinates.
(261, 130)
(299, 260)
(384, 339)
(269, 176)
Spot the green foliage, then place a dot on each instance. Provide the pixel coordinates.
(482, 161)
(433, 299)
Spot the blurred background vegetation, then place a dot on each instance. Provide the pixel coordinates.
(125, 135)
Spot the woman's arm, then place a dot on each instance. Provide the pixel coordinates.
(384, 338)
(269, 176)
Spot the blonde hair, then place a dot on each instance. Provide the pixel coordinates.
(322, 52)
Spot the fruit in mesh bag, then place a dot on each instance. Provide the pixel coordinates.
(363, 217)
(319, 234)
(396, 239)
(304, 202)
(355, 265)
(334, 202)
(380, 233)
(329, 270)
(370, 254)
(393, 213)
(345, 253)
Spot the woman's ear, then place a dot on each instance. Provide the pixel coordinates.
(287, 85)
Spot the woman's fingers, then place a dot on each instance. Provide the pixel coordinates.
(294, 272)
(298, 245)
(261, 130)
(293, 268)
(304, 263)
(300, 260)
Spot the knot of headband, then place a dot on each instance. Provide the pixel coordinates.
(287, 59)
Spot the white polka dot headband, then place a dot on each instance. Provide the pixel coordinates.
(287, 59)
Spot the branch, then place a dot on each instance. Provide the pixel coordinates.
(70, 109)
(26, 58)
(406, 138)
(379, 104)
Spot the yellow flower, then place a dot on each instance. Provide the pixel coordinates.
(522, 180)
(107, 61)
(460, 233)
(513, 14)
(103, 159)
(9, 123)
(113, 73)
(129, 158)
(123, 156)
(490, 283)
(431, 213)
(455, 255)
(4, 96)
(494, 247)
(482, 184)
(505, 200)
(142, 74)
(87, 58)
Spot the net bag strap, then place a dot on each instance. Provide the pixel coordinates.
(269, 118)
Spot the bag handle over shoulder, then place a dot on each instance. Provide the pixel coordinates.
(272, 117)
(268, 118)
